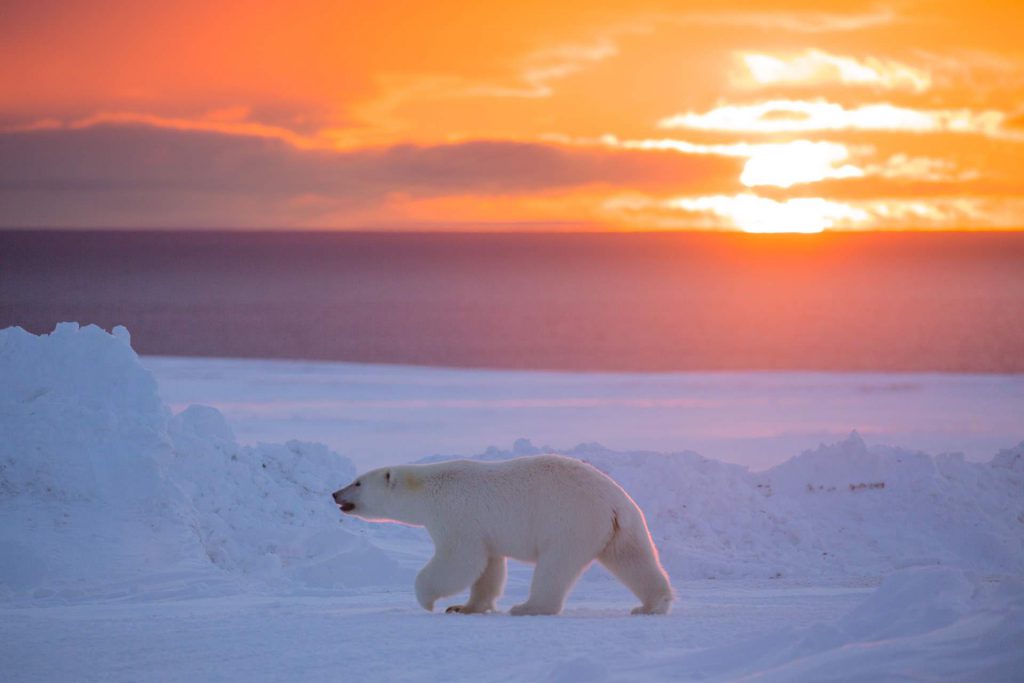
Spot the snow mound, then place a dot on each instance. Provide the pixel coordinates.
(265, 511)
(103, 492)
(1011, 459)
(842, 509)
(935, 623)
(69, 400)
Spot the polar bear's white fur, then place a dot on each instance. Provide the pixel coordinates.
(558, 512)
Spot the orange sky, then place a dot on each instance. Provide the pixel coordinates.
(768, 116)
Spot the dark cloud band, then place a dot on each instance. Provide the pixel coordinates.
(111, 172)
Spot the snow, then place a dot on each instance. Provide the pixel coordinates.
(105, 492)
(932, 623)
(146, 541)
(757, 419)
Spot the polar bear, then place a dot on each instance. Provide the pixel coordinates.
(554, 511)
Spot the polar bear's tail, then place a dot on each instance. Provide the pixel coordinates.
(631, 556)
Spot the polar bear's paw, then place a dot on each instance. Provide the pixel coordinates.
(526, 610)
(659, 606)
(469, 609)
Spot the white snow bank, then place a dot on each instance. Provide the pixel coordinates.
(843, 509)
(265, 511)
(71, 401)
(933, 623)
(103, 492)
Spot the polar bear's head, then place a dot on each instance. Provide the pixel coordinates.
(387, 494)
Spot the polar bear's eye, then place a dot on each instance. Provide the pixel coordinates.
(387, 476)
(358, 483)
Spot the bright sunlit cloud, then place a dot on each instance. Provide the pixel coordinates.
(786, 164)
(800, 116)
(927, 169)
(815, 67)
(779, 164)
(751, 213)
(746, 211)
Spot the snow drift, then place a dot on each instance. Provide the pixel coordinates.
(103, 492)
(842, 509)
(927, 623)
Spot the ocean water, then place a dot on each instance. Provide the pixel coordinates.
(640, 302)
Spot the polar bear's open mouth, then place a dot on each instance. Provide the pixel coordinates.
(347, 507)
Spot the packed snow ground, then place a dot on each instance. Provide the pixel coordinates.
(141, 543)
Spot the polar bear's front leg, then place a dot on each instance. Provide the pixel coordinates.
(450, 571)
(486, 590)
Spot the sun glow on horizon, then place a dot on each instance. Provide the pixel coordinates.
(754, 214)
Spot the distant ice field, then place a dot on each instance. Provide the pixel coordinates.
(390, 413)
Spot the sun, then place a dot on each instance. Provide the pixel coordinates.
(754, 214)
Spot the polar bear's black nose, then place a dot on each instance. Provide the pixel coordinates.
(336, 496)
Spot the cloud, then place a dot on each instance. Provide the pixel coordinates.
(535, 78)
(753, 213)
(746, 211)
(796, 21)
(922, 169)
(801, 116)
(780, 164)
(542, 68)
(816, 67)
(138, 172)
(785, 164)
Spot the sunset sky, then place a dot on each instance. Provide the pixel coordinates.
(526, 115)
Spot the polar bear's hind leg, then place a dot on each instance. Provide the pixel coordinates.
(631, 557)
(556, 572)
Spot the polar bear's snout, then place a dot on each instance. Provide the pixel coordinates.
(345, 505)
